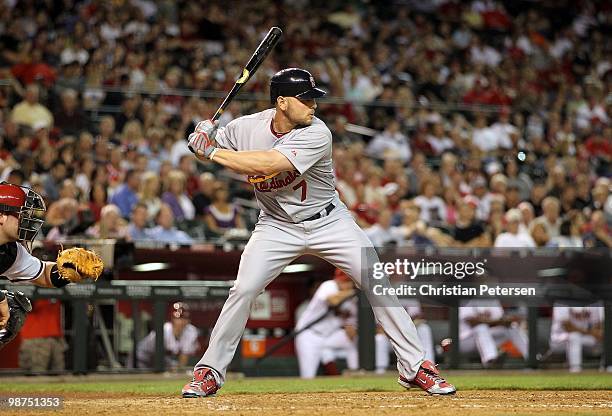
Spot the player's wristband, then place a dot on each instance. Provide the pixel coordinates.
(56, 279)
(2, 296)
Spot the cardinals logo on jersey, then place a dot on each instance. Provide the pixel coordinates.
(273, 182)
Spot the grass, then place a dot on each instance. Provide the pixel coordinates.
(478, 381)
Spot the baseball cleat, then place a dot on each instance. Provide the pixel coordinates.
(203, 384)
(428, 378)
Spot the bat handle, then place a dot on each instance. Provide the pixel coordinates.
(217, 115)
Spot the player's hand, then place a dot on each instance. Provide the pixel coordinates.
(351, 331)
(202, 140)
(5, 313)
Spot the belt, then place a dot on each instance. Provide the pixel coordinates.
(327, 210)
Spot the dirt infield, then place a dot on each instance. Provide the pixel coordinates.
(488, 402)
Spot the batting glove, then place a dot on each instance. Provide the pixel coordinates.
(202, 140)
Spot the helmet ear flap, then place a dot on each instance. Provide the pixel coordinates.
(274, 94)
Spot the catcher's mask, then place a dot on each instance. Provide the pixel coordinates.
(27, 205)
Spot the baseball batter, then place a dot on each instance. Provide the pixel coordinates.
(286, 154)
(21, 213)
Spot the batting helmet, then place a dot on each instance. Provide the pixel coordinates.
(180, 310)
(27, 205)
(294, 82)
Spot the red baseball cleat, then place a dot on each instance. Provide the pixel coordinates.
(203, 384)
(428, 378)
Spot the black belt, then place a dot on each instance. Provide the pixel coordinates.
(328, 209)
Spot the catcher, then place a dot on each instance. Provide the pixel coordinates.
(21, 213)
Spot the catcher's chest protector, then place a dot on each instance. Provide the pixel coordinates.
(8, 255)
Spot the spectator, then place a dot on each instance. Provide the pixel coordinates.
(599, 234)
(504, 129)
(187, 165)
(204, 196)
(30, 112)
(518, 179)
(468, 231)
(110, 225)
(539, 234)
(97, 199)
(383, 234)
(86, 169)
(413, 230)
(340, 135)
(550, 217)
(484, 137)
(437, 139)
(222, 215)
(390, 143)
(53, 179)
(513, 238)
(165, 231)
(107, 131)
(175, 196)
(601, 198)
(126, 195)
(433, 208)
(570, 232)
(70, 118)
(149, 194)
(137, 227)
(129, 111)
(62, 216)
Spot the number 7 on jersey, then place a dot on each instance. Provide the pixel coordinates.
(304, 187)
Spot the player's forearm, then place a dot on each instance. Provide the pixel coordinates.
(256, 162)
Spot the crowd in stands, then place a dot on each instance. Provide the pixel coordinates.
(492, 118)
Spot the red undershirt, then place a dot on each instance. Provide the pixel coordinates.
(278, 135)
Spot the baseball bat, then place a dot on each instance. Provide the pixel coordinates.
(262, 51)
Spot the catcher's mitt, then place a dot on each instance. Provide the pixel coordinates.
(77, 264)
(19, 307)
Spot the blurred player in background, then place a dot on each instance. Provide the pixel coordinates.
(483, 327)
(576, 329)
(335, 333)
(180, 340)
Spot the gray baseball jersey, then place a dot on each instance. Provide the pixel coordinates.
(289, 196)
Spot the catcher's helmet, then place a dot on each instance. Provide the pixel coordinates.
(27, 205)
(294, 82)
